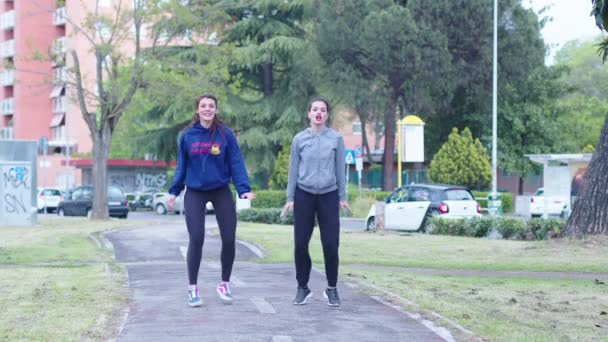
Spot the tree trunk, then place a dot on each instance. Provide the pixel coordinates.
(520, 187)
(590, 212)
(266, 79)
(101, 148)
(388, 161)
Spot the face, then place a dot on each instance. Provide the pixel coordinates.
(206, 110)
(318, 114)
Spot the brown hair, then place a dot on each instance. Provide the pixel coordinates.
(217, 122)
(319, 99)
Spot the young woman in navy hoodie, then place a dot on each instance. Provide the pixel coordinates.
(208, 158)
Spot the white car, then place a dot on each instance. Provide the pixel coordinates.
(556, 205)
(411, 207)
(48, 198)
(160, 205)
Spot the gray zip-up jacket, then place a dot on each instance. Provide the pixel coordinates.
(317, 163)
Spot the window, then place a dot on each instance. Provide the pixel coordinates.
(417, 195)
(458, 195)
(357, 128)
(400, 195)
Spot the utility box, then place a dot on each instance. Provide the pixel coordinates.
(495, 204)
(16, 208)
(18, 182)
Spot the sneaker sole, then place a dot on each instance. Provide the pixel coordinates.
(305, 299)
(224, 297)
(328, 303)
(195, 304)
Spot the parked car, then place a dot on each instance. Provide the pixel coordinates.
(79, 202)
(160, 205)
(556, 205)
(48, 199)
(412, 206)
(140, 200)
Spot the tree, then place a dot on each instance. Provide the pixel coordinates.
(462, 161)
(590, 210)
(400, 58)
(274, 72)
(115, 42)
(278, 179)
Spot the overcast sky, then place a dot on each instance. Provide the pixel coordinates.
(571, 20)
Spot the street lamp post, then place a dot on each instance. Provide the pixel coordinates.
(494, 97)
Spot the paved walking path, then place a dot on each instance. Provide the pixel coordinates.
(262, 310)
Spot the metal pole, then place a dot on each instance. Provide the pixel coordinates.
(399, 153)
(494, 97)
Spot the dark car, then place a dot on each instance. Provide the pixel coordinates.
(79, 202)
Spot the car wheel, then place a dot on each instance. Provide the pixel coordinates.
(89, 213)
(60, 212)
(160, 209)
(427, 224)
(371, 224)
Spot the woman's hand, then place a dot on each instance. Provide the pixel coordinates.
(248, 195)
(171, 201)
(287, 207)
(344, 205)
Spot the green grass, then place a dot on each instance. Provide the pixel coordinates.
(502, 308)
(494, 308)
(435, 251)
(60, 303)
(57, 240)
(74, 297)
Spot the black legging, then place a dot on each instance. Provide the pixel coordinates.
(326, 207)
(225, 212)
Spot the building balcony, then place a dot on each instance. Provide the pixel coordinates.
(7, 133)
(60, 16)
(7, 107)
(7, 20)
(60, 46)
(7, 48)
(7, 77)
(60, 104)
(60, 75)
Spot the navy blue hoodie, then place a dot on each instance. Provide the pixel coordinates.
(203, 164)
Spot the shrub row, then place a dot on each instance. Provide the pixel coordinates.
(508, 227)
(265, 215)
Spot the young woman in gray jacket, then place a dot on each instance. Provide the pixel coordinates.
(316, 186)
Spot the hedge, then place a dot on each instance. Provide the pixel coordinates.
(265, 215)
(508, 227)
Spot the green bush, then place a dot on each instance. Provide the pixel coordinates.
(269, 199)
(510, 227)
(448, 226)
(265, 215)
(478, 226)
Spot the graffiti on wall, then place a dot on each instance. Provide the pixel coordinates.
(137, 181)
(16, 194)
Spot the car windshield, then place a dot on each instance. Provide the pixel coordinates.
(114, 193)
(539, 192)
(51, 192)
(458, 195)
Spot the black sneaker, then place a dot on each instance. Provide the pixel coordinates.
(332, 297)
(302, 295)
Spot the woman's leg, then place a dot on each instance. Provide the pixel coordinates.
(225, 212)
(304, 216)
(194, 205)
(328, 213)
